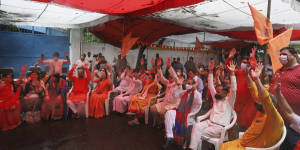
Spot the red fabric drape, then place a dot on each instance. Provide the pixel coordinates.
(228, 44)
(250, 35)
(123, 7)
(147, 30)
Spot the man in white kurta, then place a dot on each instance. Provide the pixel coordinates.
(170, 116)
(220, 114)
(170, 100)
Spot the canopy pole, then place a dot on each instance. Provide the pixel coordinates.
(266, 46)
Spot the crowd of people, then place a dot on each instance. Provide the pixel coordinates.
(174, 98)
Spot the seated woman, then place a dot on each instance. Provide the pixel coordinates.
(139, 102)
(10, 107)
(267, 127)
(53, 106)
(100, 94)
(122, 100)
(33, 96)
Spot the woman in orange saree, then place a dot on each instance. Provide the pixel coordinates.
(100, 94)
(139, 102)
(10, 107)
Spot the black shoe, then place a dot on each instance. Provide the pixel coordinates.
(169, 142)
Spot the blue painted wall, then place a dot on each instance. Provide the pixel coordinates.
(18, 49)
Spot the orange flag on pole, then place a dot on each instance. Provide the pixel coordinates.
(127, 44)
(280, 41)
(198, 46)
(262, 25)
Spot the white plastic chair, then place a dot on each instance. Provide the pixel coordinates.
(106, 104)
(274, 147)
(86, 107)
(218, 141)
(148, 107)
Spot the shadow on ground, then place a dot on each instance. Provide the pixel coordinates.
(110, 133)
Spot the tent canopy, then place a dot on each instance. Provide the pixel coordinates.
(157, 18)
(21, 12)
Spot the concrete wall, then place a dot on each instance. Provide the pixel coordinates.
(75, 45)
(18, 49)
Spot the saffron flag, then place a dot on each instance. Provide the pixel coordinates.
(127, 44)
(262, 25)
(280, 41)
(198, 46)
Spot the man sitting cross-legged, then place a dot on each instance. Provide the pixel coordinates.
(78, 96)
(267, 127)
(221, 112)
(177, 121)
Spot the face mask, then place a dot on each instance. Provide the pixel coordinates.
(243, 66)
(218, 97)
(188, 87)
(283, 59)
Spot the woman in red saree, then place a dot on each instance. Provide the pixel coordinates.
(100, 94)
(10, 107)
(53, 106)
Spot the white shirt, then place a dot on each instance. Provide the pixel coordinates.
(197, 100)
(172, 89)
(296, 123)
(80, 63)
(90, 60)
(221, 111)
(55, 66)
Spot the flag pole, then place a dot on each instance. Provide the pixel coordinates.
(265, 53)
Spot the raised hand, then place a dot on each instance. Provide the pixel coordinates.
(232, 53)
(159, 62)
(74, 66)
(257, 72)
(211, 65)
(231, 67)
(221, 66)
(156, 77)
(66, 54)
(23, 69)
(169, 62)
(277, 83)
(253, 52)
(152, 61)
(248, 69)
(218, 72)
(86, 66)
(142, 61)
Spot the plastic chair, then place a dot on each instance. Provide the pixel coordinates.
(274, 147)
(86, 107)
(106, 104)
(147, 109)
(218, 141)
